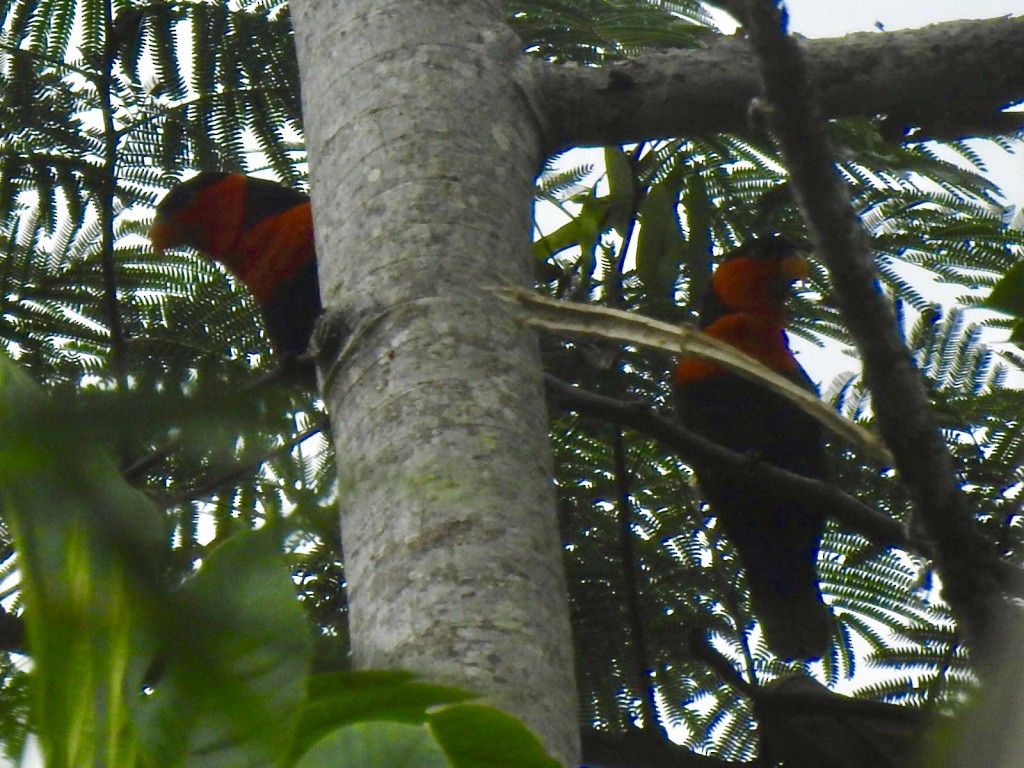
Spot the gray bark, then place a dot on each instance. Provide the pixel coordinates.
(945, 81)
(422, 156)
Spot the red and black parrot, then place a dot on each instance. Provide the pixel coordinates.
(262, 232)
(777, 541)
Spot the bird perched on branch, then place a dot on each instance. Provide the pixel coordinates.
(777, 540)
(262, 232)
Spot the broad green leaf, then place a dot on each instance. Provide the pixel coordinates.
(340, 698)
(659, 246)
(472, 735)
(376, 745)
(1008, 294)
(622, 190)
(89, 547)
(455, 736)
(584, 230)
(479, 736)
(232, 689)
(700, 219)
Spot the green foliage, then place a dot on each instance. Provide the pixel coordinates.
(1007, 296)
(88, 547)
(933, 222)
(456, 736)
(597, 31)
(134, 668)
(128, 666)
(232, 664)
(390, 718)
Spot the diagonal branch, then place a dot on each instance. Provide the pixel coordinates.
(701, 452)
(963, 558)
(105, 89)
(290, 370)
(244, 469)
(643, 671)
(619, 326)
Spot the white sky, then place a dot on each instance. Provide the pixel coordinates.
(833, 18)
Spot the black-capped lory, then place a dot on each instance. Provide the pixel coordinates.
(262, 232)
(777, 541)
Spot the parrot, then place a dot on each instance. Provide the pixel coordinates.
(262, 232)
(777, 541)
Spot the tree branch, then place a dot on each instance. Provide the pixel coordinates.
(619, 326)
(704, 453)
(963, 558)
(946, 80)
(290, 370)
(769, 479)
(804, 724)
(643, 670)
(245, 469)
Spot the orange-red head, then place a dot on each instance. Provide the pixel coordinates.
(204, 213)
(260, 230)
(745, 306)
(755, 278)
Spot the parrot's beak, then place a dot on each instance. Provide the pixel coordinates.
(795, 267)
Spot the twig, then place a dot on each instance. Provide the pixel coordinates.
(246, 468)
(289, 369)
(643, 669)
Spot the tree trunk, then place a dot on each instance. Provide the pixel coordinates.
(422, 154)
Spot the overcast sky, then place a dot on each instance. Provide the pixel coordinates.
(833, 18)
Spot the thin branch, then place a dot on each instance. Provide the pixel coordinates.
(289, 370)
(244, 469)
(106, 212)
(643, 668)
(702, 650)
(946, 81)
(851, 513)
(703, 453)
(730, 592)
(963, 558)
